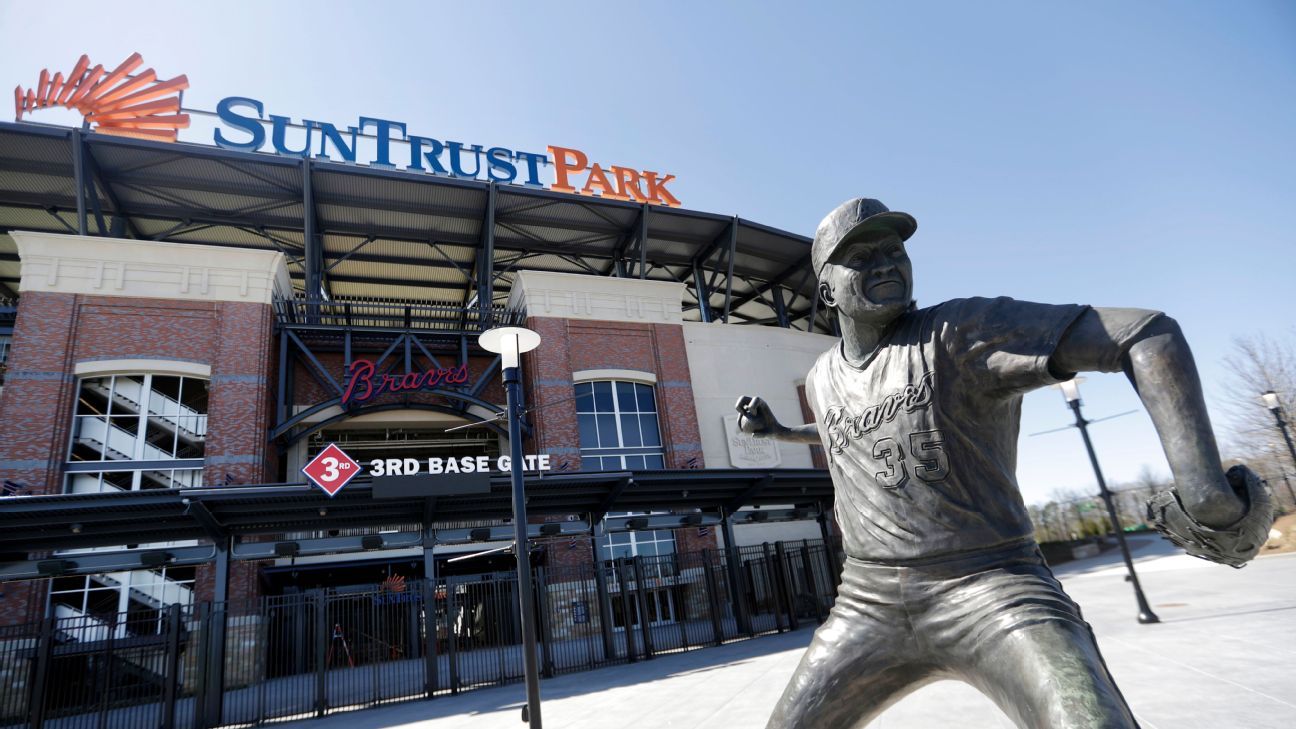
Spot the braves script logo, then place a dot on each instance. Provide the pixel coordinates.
(114, 102)
(844, 426)
(364, 382)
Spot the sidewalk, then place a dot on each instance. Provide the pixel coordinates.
(1221, 657)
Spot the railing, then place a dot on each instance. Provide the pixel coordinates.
(389, 315)
(77, 670)
(361, 531)
(94, 431)
(297, 656)
(129, 392)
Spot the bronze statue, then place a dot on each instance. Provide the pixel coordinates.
(918, 411)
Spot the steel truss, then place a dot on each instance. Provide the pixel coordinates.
(406, 339)
(333, 230)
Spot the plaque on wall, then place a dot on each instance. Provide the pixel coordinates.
(746, 451)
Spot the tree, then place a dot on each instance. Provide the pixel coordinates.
(1259, 364)
(1130, 497)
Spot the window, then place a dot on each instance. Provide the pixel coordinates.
(657, 547)
(618, 431)
(134, 432)
(618, 426)
(87, 606)
(658, 542)
(5, 342)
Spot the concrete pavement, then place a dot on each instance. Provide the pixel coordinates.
(1223, 656)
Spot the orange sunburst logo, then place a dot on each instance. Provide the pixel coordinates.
(114, 102)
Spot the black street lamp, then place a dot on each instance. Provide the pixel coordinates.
(1272, 402)
(510, 343)
(1071, 391)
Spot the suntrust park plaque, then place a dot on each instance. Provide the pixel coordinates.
(746, 451)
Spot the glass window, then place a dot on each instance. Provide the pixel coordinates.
(88, 606)
(152, 427)
(618, 426)
(5, 344)
(656, 546)
(130, 433)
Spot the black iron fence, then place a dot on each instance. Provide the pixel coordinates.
(304, 655)
(361, 313)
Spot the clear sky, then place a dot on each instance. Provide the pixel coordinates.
(1112, 153)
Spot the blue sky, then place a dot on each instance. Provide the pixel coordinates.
(1112, 153)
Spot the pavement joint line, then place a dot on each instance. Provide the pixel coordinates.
(1267, 646)
(1208, 674)
(760, 677)
(1142, 721)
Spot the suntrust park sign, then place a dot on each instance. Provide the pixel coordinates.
(245, 121)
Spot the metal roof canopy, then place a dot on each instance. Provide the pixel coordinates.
(367, 232)
(42, 524)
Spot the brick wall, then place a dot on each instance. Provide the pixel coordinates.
(36, 404)
(574, 345)
(547, 371)
(244, 582)
(695, 540)
(817, 456)
(239, 415)
(571, 345)
(55, 331)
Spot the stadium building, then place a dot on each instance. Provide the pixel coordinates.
(194, 325)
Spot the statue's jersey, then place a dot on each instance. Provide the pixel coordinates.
(922, 439)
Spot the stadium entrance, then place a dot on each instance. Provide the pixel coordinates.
(420, 441)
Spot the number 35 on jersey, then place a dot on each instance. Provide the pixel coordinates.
(926, 459)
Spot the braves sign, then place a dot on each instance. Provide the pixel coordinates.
(364, 382)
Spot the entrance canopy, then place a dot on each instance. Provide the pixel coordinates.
(33, 526)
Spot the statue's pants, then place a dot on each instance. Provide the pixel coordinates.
(998, 620)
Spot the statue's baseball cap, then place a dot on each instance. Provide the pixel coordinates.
(853, 220)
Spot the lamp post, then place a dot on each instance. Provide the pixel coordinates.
(1272, 402)
(1071, 391)
(510, 343)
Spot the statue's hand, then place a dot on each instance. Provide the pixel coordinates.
(1234, 545)
(755, 418)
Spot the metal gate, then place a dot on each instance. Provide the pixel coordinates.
(305, 655)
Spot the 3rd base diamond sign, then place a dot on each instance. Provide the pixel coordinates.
(331, 469)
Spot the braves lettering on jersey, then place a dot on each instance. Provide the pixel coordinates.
(927, 465)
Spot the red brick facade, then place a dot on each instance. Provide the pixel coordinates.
(571, 346)
(817, 456)
(55, 331)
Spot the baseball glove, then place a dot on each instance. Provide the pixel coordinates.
(1234, 545)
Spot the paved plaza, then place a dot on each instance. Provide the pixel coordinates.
(1223, 656)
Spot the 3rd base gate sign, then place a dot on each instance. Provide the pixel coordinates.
(331, 469)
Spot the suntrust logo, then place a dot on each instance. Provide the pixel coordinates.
(249, 128)
(139, 105)
(113, 102)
